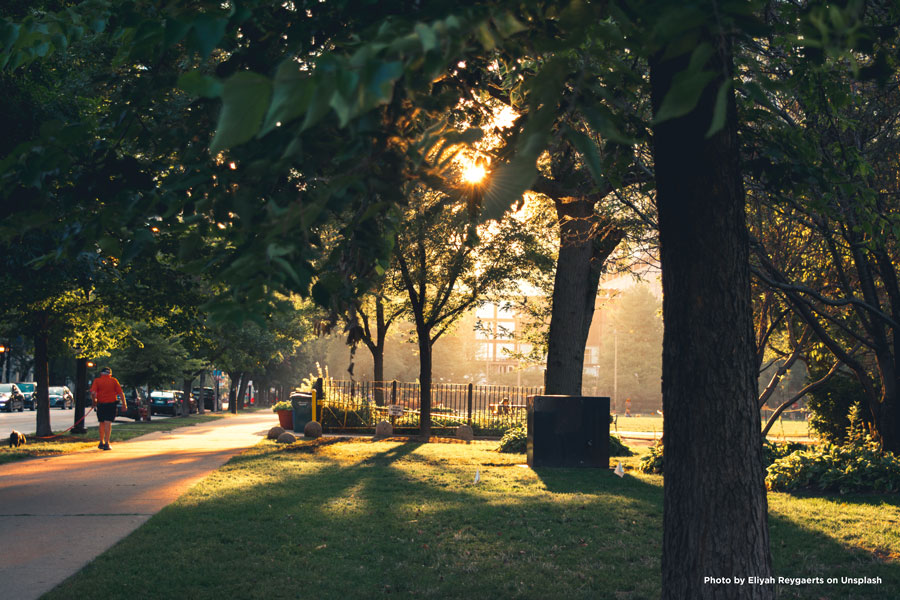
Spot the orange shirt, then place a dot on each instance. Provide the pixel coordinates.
(106, 388)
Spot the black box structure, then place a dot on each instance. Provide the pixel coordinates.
(568, 431)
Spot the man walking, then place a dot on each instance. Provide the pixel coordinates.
(105, 392)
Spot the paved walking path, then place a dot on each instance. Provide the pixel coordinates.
(58, 513)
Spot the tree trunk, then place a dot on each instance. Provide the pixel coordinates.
(425, 359)
(186, 385)
(232, 392)
(201, 401)
(42, 379)
(584, 245)
(715, 509)
(245, 379)
(80, 395)
(378, 366)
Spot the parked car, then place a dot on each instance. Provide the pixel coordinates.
(208, 395)
(27, 389)
(11, 398)
(61, 396)
(170, 402)
(136, 399)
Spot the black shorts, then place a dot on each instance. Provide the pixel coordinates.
(106, 411)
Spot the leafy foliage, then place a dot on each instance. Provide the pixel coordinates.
(514, 441)
(618, 448)
(830, 407)
(652, 462)
(857, 466)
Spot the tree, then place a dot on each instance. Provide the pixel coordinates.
(446, 266)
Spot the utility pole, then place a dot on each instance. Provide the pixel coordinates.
(616, 371)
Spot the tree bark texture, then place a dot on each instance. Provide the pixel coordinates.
(80, 395)
(585, 242)
(715, 508)
(425, 361)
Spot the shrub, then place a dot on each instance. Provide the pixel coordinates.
(514, 441)
(618, 448)
(853, 467)
(830, 406)
(773, 451)
(337, 416)
(283, 405)
(652, 462)
(858, 465)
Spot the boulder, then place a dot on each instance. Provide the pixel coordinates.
(384, 429)
(275, 432)
(464, 432)
(286, 438)
(312, 430)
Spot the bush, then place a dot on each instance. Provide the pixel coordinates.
(618, 448)
(853, 467)
(773, 451)
(830, 406)
(652, 462)
(338, 416)
(858, 465)
(283, 405)
(514, 441)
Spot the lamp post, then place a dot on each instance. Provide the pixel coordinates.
(4, 351)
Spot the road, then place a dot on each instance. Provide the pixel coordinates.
(50, 508)
(26, 422)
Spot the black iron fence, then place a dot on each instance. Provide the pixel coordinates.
(488, 409)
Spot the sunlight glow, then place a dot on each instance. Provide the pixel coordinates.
(473, 173)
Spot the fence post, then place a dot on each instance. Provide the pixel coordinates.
(469, 402)
(394, 392)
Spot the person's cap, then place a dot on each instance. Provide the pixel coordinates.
(106, 370)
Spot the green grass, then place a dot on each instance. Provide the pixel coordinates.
(63, 442)
(781, 428)
(362, 519)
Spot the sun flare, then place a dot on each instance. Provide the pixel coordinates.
(474, 173)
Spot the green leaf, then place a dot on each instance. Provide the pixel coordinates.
(427, 36)
(380, 85)
(687, 86)
(486, 36)
(291, 95)
(198, 84)
(245, 100)
(206, 33)
(721, 109)
(589, 152)
(507, 24)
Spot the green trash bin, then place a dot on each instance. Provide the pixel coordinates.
(301, 403)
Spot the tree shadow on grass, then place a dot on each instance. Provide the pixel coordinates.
(313, 524)
(799, 552)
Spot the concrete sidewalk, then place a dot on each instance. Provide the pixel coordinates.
(58, 513)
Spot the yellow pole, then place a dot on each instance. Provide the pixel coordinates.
(314, 405)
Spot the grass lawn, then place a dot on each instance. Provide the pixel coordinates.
(781, 428)
(63, 442)
(363, 519)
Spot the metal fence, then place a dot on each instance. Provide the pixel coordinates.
(350, 405)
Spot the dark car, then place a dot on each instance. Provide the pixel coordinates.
(27, 389)
(137, 400)
(208, 395)
(11, 398)
(170, 402)
(61, 396)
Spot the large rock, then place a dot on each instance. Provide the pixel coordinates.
(286, 438)
(312, 430)
(275, 432)
(384, 429)
(464, 432)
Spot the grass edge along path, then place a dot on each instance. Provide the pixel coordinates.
(362, 519)
(64, 442)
